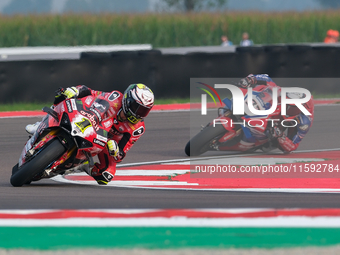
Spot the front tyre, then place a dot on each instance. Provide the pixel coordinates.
(200, 143)
(37, 164)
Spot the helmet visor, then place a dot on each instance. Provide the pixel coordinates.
(139, 111)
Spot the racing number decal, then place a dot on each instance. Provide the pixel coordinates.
(83, 125)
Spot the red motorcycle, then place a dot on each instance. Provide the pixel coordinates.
(69, 135)
(234, 133)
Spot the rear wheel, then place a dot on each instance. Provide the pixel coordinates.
(37, 164)
(200, 143)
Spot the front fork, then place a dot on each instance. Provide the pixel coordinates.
(53, 134)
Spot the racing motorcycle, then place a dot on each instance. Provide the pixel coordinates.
(69, 135)
(227, 132)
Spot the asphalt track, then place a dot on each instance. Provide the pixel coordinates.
(165, 138)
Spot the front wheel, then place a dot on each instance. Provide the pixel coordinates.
(37, 164)
(200, 143)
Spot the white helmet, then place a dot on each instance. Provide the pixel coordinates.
(138, 100)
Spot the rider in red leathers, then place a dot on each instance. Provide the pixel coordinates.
(123, 112)
(290, 140)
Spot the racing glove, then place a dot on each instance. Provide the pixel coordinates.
(247, 82)
(113, 148)
(70, 92)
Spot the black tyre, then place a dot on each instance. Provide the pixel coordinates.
(15, 168)
(37, 164)
(200, 143)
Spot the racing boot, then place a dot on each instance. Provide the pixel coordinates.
(102, 177)
(31, 128)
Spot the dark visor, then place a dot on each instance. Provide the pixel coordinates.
(139, 110)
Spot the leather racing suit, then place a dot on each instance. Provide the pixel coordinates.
(290, 141)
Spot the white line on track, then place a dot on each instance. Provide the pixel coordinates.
(166, 185)
(280, 221)
(217, 157)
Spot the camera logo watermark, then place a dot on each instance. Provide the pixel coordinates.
(243, 104)
(239, 102)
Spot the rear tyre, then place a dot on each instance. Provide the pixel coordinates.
(37, 164)
(200, 143)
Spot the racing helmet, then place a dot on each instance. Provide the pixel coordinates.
(137, 102)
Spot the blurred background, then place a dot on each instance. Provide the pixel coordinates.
(164, 23)
(162, 43)
(10, 7)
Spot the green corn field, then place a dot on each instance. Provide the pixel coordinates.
(166, 30)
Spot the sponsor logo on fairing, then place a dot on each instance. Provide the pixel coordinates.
(88, 100)
(74, 106)
(68, 105)
(108, 123)
(96, 141)
(91, 118)
(96, 113)
(102, 138)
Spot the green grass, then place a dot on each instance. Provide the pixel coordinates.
(22, 106)
(166, 29)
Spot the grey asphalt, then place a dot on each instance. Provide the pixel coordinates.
(165, 138)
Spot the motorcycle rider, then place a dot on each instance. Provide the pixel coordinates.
(290, 141)
(124, 112)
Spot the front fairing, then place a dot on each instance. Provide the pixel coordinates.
(85, 122)
(34, 139)
(78, 122)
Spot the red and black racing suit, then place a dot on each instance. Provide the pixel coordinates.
(123, 132)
